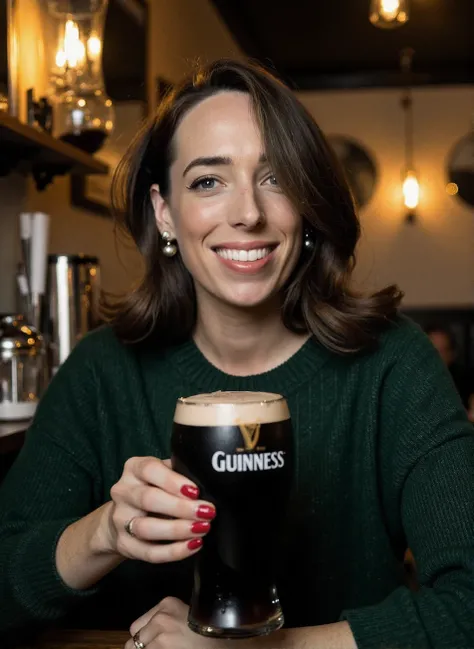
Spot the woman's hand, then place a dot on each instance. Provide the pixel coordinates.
(155, 514)
(166, 627)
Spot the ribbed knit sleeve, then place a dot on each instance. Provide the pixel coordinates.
(426, 451)
(34, 511)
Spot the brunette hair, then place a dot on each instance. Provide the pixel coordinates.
(317, 297)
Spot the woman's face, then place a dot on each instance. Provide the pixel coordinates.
(237, 233)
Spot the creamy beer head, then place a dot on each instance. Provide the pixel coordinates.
(231, 409)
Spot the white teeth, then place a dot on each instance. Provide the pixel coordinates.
(243, 255)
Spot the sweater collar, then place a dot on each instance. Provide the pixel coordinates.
(188, 360)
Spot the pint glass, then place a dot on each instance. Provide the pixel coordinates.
(237, 447)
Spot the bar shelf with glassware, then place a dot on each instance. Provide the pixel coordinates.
(29, 150)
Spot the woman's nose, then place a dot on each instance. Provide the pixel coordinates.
(246, 211)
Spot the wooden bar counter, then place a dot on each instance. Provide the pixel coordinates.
(80, 639)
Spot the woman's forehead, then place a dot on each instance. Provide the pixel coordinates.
(223, 124)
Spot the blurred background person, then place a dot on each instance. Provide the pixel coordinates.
(444, 341)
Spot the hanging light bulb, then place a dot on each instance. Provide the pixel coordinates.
(389, 14)
(411, 190)
(410, 182)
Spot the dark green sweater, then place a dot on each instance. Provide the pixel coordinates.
(385, 461)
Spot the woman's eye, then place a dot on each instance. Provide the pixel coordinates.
(273, 180)
(203, 184)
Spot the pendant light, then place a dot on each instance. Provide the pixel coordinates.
(389, 14)
(410, 182)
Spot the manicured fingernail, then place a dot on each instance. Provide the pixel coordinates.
(200, 527)
(204, 511)
(195, 544)
(190, 492)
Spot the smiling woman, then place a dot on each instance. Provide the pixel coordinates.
(248, 231)
(238, 234)
(228, 166)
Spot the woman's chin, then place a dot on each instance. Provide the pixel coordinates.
(250, 300)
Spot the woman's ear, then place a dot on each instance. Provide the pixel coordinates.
(164, 222)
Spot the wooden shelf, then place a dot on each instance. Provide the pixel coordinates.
(30, 150)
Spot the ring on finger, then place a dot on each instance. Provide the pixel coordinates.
(136, 639)
(129, 527)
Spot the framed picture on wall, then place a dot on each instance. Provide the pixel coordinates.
(92, 193)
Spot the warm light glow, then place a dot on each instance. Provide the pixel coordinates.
(389, 9)
(61, 59)
(72, 51)
(81, 103)
(94, 48)
(411, 190)
(109, 125)
(388, 14)
(452, 189)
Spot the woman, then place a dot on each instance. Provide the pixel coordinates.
(248, 231)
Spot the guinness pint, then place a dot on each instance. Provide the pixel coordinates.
(237, 447)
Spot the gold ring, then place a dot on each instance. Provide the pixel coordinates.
(136, 639)
(128, 527)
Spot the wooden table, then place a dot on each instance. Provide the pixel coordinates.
(80, 639)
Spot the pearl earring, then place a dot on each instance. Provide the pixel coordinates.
(308, 241)
(169, 249)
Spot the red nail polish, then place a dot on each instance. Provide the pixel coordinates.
(195, 544)
(190, 492)
(200, 527)
(204, 511)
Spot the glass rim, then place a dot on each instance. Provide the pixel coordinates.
(188, 401)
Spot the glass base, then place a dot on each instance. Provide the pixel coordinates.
(248, 631)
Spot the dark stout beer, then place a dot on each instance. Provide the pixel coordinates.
(237, 447)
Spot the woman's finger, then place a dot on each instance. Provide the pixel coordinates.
(148, 632)
(158, 501)
(155, 472)
(143, 620)
(150, 528)
(135, 548)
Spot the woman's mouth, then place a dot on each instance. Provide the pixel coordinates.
(248, 261)
(244, 255)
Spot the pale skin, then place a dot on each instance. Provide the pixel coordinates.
(235, 198)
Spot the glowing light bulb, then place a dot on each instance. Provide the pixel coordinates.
(94, 48)
(388, 14)
(411, 190)
(72, 50)
(389, 9)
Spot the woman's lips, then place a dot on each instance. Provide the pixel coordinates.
(246, 261)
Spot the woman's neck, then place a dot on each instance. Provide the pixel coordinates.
(243, 342)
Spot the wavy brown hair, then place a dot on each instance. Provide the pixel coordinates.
(317, 297)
